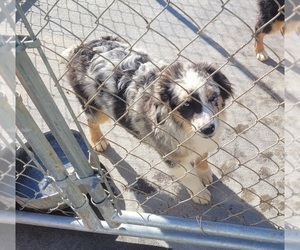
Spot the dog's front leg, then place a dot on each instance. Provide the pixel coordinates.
(189, 177)
(99, 143)
(261, 54)
(203, 170)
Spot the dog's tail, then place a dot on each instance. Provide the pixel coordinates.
(67, 54)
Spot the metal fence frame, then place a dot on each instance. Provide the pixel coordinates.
(130, 223)
(116, 222)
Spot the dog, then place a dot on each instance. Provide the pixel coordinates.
(270, 20)
(174, 108)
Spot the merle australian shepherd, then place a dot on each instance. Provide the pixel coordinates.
(175, 108)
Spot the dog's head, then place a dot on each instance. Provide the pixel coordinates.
(193, 95)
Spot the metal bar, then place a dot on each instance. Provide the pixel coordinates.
(7, 111)
(42, 99)
(47, 155)
(202, 227)
(7, 65)
(7, 217)
(94, 159)
(146, 232)
(292, 239)
(7, 15)
(21, 13)
(7, 155)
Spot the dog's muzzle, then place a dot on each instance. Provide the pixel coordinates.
(208, 130)
(205, 123)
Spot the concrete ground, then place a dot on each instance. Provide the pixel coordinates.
(248, 183)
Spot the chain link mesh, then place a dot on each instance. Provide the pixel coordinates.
(248, 186)
(292, 72)
(7, 122)
(7, 88)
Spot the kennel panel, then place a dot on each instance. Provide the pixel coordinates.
(292, 74)
(7, 131)
(248, 187)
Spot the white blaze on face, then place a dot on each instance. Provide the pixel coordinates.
(205, 120)
(192, 80)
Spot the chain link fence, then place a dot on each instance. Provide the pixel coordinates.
(248, 167)
(7, 131)
(292, 74)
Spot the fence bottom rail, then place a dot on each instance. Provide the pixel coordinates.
(177, 232)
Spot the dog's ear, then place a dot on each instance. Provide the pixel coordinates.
(162, 106)
(166, 86)
(221, 79)
(224, 84)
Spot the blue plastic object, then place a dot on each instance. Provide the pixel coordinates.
(32, 187)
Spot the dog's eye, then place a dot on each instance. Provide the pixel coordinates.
(186, 104)
(213, 98)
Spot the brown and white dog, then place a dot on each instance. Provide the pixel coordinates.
(175, 108)
(270, 20)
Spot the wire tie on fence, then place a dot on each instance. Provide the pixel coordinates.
(82, 207)
(62, 184)
(89, 182)
(199, 221)
(47, 181)
(31, 44)
(59, 185)
(100, 203)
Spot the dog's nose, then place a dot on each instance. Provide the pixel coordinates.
(208, 130)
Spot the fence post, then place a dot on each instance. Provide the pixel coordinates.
(47, 155)
(40, 96)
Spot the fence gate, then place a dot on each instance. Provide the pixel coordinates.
(128, 189)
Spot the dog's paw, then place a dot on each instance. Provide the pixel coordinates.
(67, 54)
(262, 56)
(206, 176)
(101, 145)
(204, 197)
(199, 194)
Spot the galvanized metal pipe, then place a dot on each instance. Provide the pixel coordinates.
(94, 159)
(7, 63)
(47, 155)
(42, 99)
(7, 217)
(292, 239)
(201, 227)
(7, 111)
(168, 235)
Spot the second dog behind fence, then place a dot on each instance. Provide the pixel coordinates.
(175, 108)
(270, 19)
(273, 16)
